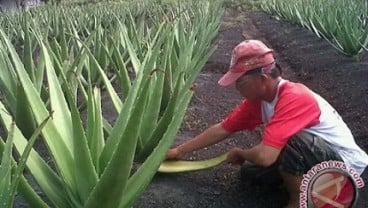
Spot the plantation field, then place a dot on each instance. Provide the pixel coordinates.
(304, 58)
(92, 95)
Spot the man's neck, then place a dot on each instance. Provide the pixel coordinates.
(271, 90)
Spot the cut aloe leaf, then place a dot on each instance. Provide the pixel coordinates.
(185, 166)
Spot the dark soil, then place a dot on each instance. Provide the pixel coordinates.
(305, 58)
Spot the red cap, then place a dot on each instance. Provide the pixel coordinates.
(248, 55)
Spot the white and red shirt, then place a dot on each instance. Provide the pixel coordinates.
(296, 108)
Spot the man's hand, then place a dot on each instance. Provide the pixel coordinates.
(210, 136)
(235, 156)
(174, 154)
(262, 155)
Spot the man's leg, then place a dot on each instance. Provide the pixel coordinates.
(258, 175)
(292, 184)
(266, 179)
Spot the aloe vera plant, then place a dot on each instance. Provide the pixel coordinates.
(342, 23)
(82, 185)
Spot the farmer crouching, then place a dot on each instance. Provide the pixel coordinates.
(300, 128)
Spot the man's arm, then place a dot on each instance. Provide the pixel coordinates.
(260, 154)
(210, 136)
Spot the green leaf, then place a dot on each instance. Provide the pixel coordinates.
(6, 169)
(95, 126)
(85, 172)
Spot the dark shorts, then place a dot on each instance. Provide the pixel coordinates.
(303, 151)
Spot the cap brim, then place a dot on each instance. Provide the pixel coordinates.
(229, 78)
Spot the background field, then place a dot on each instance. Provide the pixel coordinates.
(304, 58)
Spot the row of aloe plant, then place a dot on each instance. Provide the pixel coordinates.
(153, 58)
(344, 23)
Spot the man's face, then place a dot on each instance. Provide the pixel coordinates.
(249, 86)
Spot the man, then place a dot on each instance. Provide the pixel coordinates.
(300, 128)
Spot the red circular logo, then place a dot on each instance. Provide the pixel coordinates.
(332, 188)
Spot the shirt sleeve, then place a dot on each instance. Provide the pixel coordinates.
(246, 116)
(293, 113)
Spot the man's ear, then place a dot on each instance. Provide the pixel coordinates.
(265, 77)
